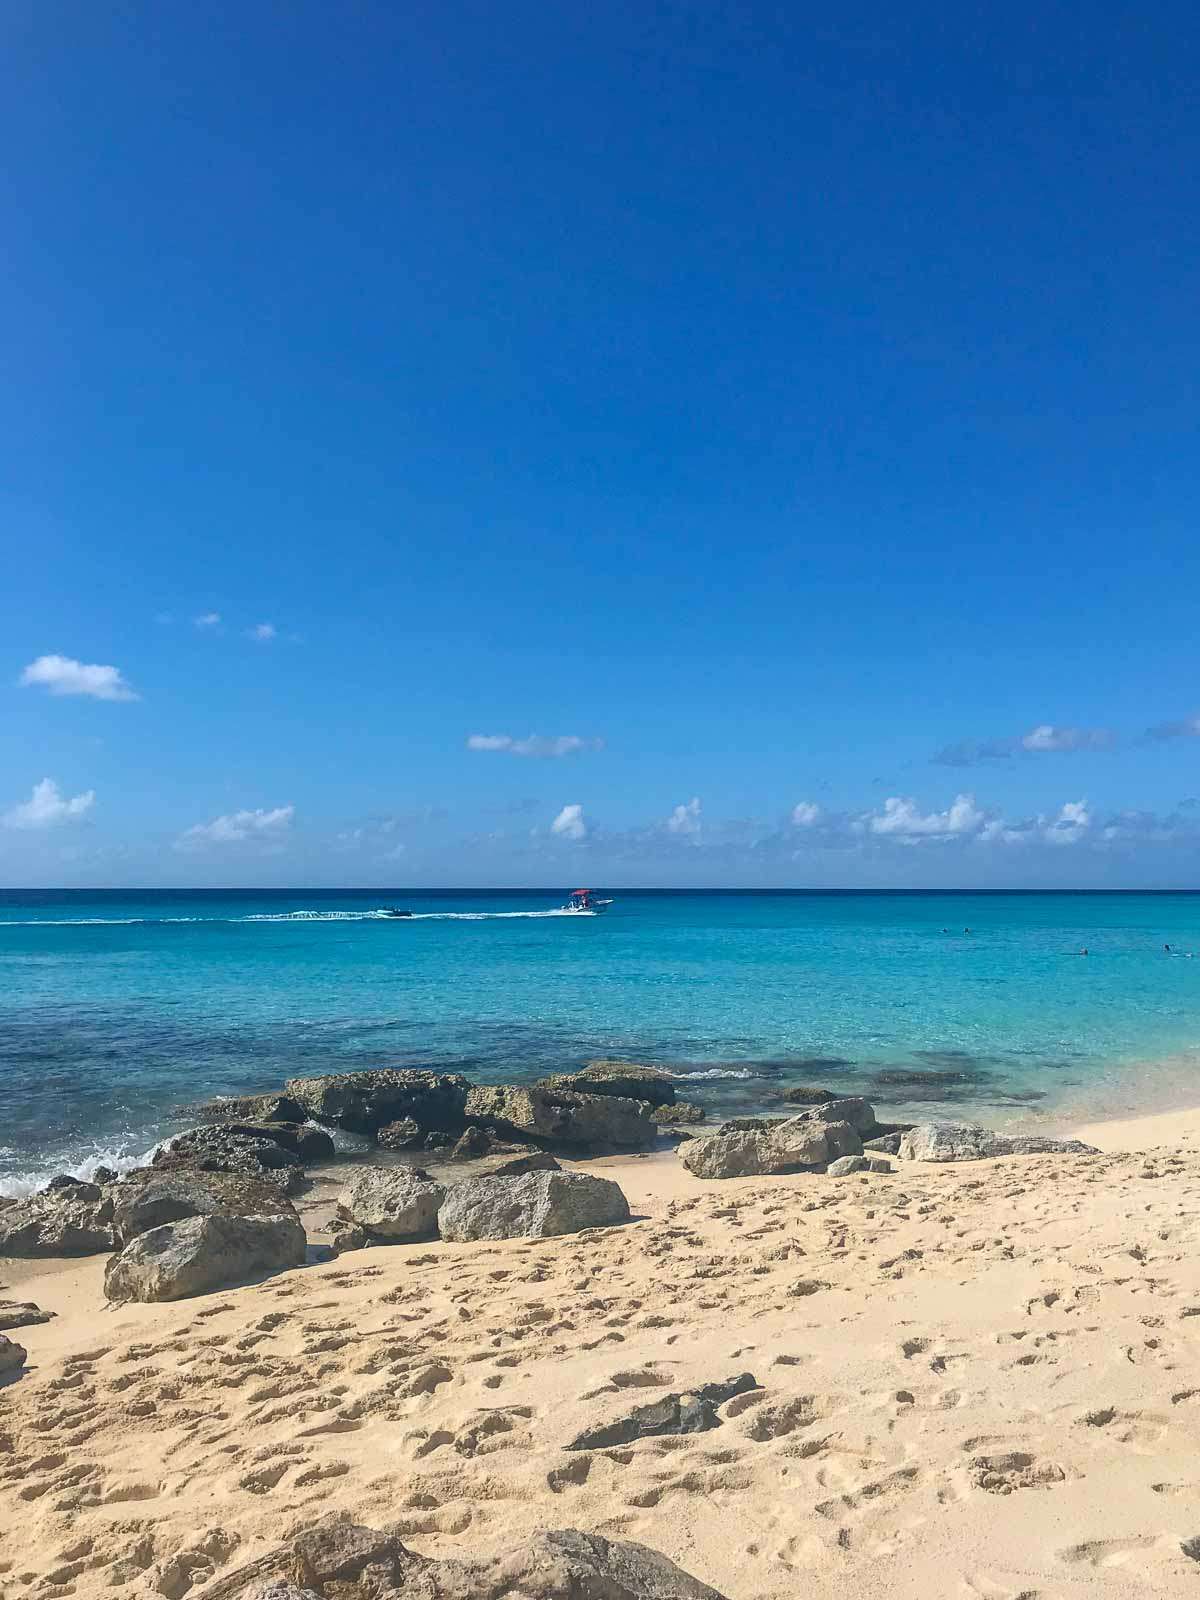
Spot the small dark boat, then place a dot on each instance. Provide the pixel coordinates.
(392, 911)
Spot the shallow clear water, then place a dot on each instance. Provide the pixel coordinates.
(118, 1008)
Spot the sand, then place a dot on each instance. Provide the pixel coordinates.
(978, 1380)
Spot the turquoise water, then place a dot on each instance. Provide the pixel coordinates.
(118, 1008)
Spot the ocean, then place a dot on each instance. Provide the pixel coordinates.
(119, 1008)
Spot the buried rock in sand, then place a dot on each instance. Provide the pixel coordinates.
(692, 1412)
(966, 1141)
(532, 1205)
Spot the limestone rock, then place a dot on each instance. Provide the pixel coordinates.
(274, 1151)
(628, 1079)
(803, 1094)
(151, 1197)
(561, 1116)
(887, 1144)
(965, 1141)
(534, 1205)
(199, 1254)
(692, 1412)
(845, 1165)
(12, 1357)
(752, 1124)
(683, 1111)
(21, 1314)
(859, 1113)
(345, 1236)
(251, 1108)
(56, 1223)
(368, 1100)
(77, 1188)
(535, 1161)
(789, 1146)
(392, 1202)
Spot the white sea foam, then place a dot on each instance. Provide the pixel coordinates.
(712, 1072)
(291, 916)
(28, 1180)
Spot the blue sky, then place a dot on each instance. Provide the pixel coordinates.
(781, 429)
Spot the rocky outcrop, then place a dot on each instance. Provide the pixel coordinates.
(12, 1357)
(966, 1141)
(340, 1560)
(859, 1113)
(272, 1150)
(393, 1203)
(403, 1134)
(682, 1113)
(199, 1254)
(21, 1314)
(533, 1205)
(691, 1412)
(250, 1108)
(629, 1080)
(561, 1116)
(152, 1196)
(72, 1221)
(791, 1146)
(368, 1100)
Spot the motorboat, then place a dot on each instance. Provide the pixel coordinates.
(583, 903)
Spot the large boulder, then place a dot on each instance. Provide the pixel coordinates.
(628, 1079)
(859, 1113)
(392, 1202)
(72, 1221)
(560, 1116)
(790, 1146)
(338, 1558)
(199, 1254)
(532, 1205)
(153, 1196)
(967, 1141)
(236, 1148)
(368, 1100)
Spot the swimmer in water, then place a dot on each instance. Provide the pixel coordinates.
(1083, 952)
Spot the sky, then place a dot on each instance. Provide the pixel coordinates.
(672, 445)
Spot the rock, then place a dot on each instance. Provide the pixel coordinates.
(682, 1111)
(887, 1144)
(227, 1149)
(347, 1236)
(630, 1080)
(104, 1175)
(474, 1143)
(752, 1124)
(859, 1113)
(12, 1357)
(22, 1314)
(845, 1165)
(336, 1559)
(250, 1108)
(77, 1188)
(534, 1205)
(535, 1161)
(199, 1254)
(405, 1134)
(56, 1223)
(788, 1146)
(966, 1141)
(302, 1139)
(560, 1116)
(152, 1196)
(368, 1100)
(878, 1164)
(392, 1202)
(804, 1095)
(692, 1412)
(438, 1141)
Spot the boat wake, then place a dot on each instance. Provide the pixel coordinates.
(295, 916)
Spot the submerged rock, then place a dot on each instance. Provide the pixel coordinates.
(152, 1196)
(392, 1203)
(368, 1100)
(561, 1116)
(532, 1205)
(58, 1223)
(199, 1254)
(337, 1559)
(692, 1412)
(804, 1095)
(967, 1141)
(790, 1146)
(628, 1079)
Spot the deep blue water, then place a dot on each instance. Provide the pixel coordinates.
(119, 1007)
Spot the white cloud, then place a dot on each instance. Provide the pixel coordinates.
(1047, 737)
(48, 807)
(569, 823)
(685, 819)
(900, 819)
(805, 814)
(539, 745)
(208, 619)
(62, 675)
(1070, 825)
(238, 827)
(262, 631)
